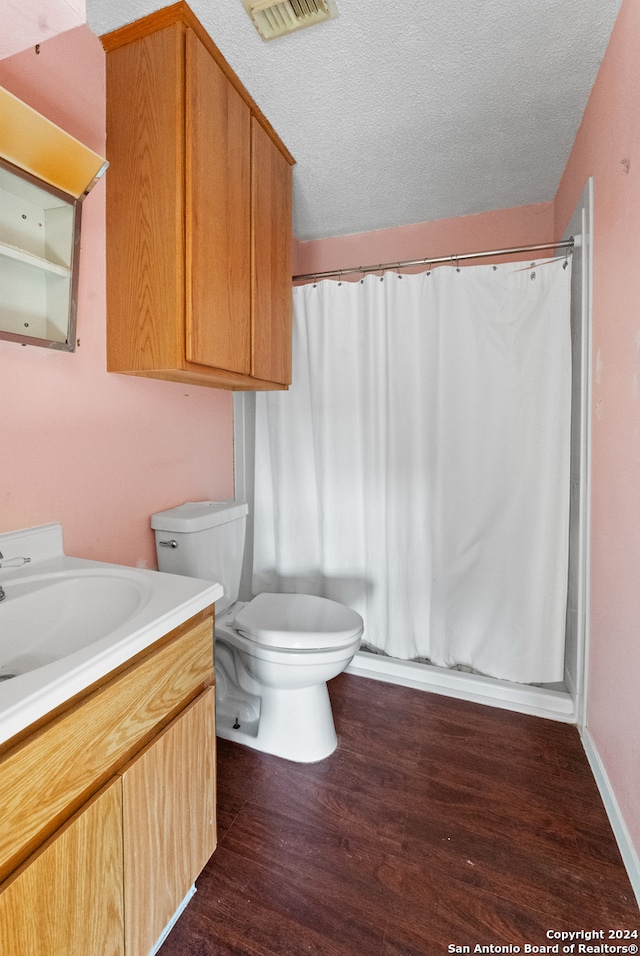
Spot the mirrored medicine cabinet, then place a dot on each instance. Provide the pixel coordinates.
(44, 176)
(39, 244)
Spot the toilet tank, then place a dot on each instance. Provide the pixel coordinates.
(203, 539)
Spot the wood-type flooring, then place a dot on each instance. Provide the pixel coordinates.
(436, 824)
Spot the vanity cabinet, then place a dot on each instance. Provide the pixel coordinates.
(198, 214)
(107, 809)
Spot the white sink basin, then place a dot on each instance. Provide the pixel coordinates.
(48, 616)
(67, 622)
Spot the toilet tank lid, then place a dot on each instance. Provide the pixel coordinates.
(198, 515)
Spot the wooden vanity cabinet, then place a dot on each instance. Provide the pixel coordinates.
(198, 214)
(107, 810)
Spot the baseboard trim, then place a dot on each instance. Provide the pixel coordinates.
(172, 922)
(629, 855)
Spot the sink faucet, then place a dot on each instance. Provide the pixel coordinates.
(12, 562)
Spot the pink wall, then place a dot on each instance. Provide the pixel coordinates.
(27, 22)
(607, 147)
(505, 228)
(97, 452)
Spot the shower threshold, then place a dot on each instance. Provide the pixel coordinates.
(548, 701)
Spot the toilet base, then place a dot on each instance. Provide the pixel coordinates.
(296, 724)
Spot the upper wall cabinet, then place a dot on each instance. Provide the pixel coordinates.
(44, 176)
(198, 214)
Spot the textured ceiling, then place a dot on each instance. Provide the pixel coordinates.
(402, 112)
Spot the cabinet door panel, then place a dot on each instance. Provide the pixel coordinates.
(67, 899)
(145, 214)
(271, 242)
(218, 218)
(169, 821)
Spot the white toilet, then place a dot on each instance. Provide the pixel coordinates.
(275, 653)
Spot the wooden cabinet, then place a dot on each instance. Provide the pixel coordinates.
(169, 822)
(107, 811)
(198, 214)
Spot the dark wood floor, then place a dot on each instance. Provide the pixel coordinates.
(436, 822)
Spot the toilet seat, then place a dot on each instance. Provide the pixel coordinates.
(297, 621)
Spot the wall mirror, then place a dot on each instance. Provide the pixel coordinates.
(39, 245)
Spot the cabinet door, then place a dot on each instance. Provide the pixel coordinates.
(67, 900)
(169, 821)
(218, 217)
(271, 242)
(145, 203)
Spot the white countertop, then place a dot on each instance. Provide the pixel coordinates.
(169, 601)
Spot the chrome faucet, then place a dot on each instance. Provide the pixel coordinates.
(12, 562)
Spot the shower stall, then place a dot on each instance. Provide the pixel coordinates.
(564, 699)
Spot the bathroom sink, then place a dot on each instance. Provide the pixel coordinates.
(66, 623)
(48, 616)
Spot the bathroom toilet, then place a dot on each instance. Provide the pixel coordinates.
(275, 653)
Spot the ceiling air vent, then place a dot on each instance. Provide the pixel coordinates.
(274, 18)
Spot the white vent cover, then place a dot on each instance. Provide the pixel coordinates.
(274, 18)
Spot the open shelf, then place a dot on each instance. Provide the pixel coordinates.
(39, 240)
(21, 255)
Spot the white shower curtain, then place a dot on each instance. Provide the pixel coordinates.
(418, 468)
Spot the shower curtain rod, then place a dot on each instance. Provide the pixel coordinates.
(453, 260)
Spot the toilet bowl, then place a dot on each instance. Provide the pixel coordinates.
(273, 654)
(285, 648)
